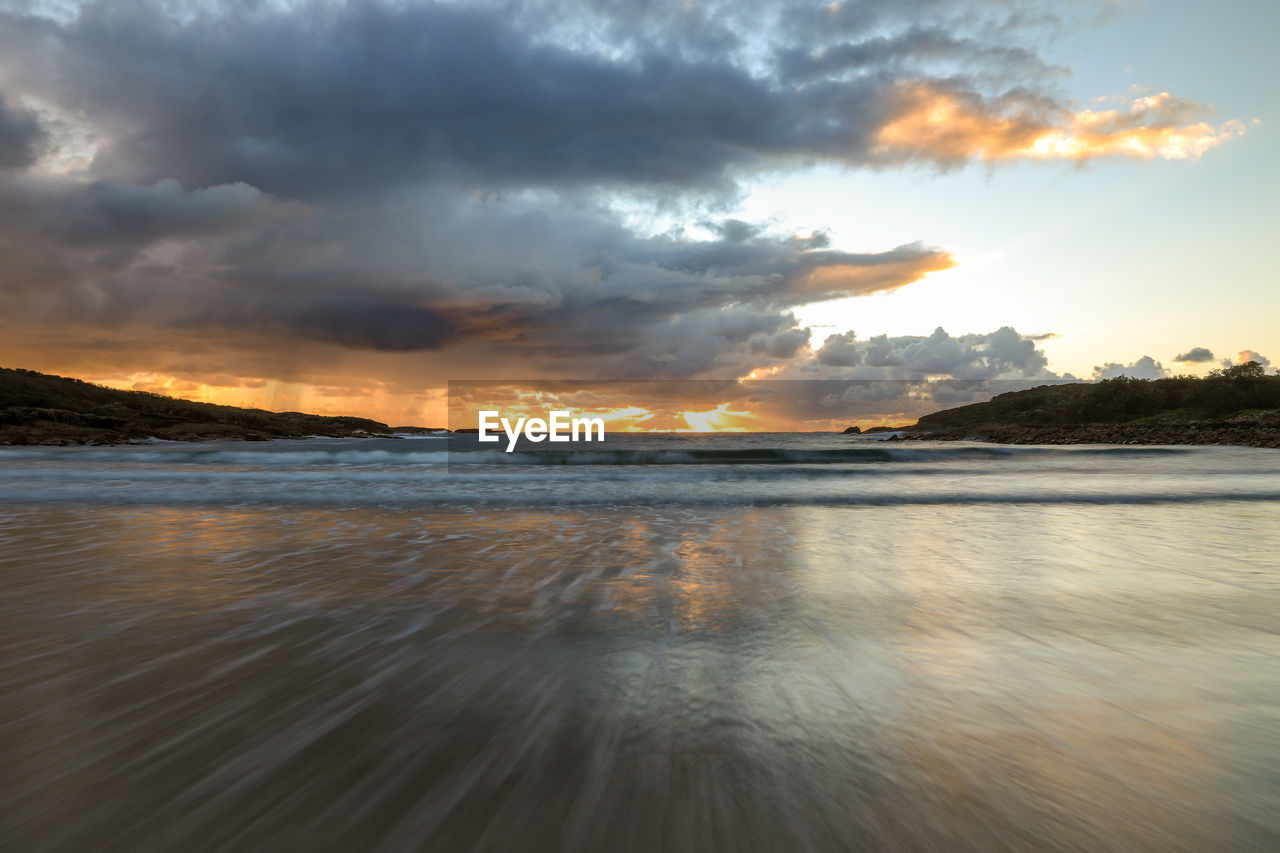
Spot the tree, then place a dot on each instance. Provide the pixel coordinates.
(1248, 370)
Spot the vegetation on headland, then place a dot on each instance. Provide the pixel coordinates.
(36, 408)
(1235, 405)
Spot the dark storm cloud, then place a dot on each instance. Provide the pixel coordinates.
(1195, 355)
(551, 291)
(460, 178)
(401, 178)
(364, 322)
(326, 97)
(674, 305)
(100, 212)
(20, 136)
(584, 290)
(344, 96)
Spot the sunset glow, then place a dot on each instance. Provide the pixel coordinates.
(719, 419)
(852, 183)
(949, 126)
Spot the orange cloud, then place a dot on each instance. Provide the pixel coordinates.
(960, 126)
(841, 280)
(1247, 355)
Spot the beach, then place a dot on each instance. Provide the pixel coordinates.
(387, 645)
(674, 427)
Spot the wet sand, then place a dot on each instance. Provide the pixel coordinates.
(815, 678)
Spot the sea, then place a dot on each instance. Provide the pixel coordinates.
(668, 642)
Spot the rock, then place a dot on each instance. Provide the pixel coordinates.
(853, 430)
(415, 430)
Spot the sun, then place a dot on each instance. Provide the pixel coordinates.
(719, 419)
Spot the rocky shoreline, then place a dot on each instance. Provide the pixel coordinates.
(1237, 405)
(1203, 433)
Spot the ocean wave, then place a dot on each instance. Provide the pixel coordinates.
(647, 471)
(275, 456)
(782, 456)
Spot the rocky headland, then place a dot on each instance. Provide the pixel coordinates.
(40, 409)
(1239, 405)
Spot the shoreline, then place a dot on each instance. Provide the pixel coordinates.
(1261, 435)
(1189, 434)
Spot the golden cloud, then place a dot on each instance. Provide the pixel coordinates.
(959, 126)
(836, 281)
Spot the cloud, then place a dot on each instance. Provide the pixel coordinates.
(1247, 355)
(1144, 368)
(574, 291)
(265, 190)
(1195, 355)
(75, 213)
(931, 46)
(840, 350)
(316, 98)
(1002, 354)
(955, 126)
(20, 136)
(320, 98)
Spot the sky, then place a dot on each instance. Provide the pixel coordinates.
(341, 207)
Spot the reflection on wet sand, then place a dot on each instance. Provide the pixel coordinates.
(816, 678)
